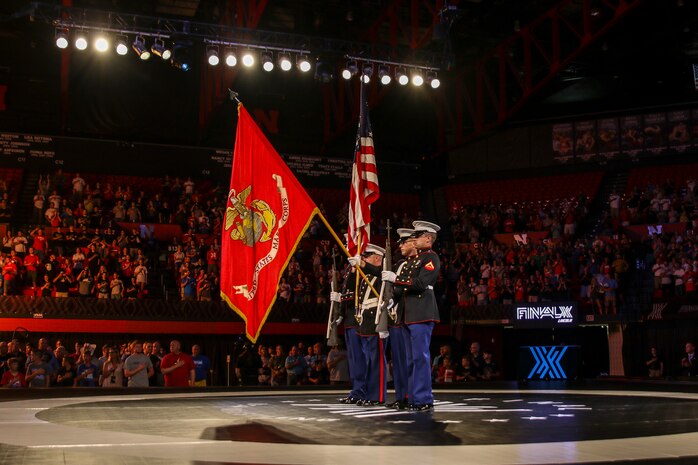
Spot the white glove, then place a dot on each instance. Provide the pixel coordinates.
(336, 296)
(339, 320)
(391, 304)
(388, 276)
(355, 260)
(383, 334)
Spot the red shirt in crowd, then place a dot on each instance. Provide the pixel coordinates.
(31, 261)
(180, 376)
(211, 256)
(9, 271)
(13, 381)
(39, 243)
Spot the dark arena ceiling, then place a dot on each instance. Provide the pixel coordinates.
(642, 59)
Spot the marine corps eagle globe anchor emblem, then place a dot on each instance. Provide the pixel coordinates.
(249, 224)
(253, 224)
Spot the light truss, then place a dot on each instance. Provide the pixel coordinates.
(76, 18)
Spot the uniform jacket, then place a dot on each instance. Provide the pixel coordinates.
(348, 289)
(414, 288)
(368, 300)
(399, 307)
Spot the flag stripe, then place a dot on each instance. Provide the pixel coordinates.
(364, 182)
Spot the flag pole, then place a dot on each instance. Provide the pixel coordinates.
(356, 281)
(344, 249)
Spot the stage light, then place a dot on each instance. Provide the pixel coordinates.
(81, 41)
(433, 80)
(248, 58)
(212, 55)
(303, 63)
(230, 58)
(417, 78)
(267, 63)
(140, 48)
(384, 74)
(285, 62)
(401, 76)
(61, 38)
(101, 44)
(121, 46)
(366, 73)
(181, 55)
(160, 49)
(350, 69)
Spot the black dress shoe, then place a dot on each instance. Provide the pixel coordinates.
(369, 403)
(349, 400)
(402, 405)
(422, 408)
(397, 405)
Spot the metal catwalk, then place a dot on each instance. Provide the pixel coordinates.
(475, 425)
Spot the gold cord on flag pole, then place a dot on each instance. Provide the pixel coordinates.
(346, 252)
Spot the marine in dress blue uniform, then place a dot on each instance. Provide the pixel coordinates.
(357, 362)
(414, 289)
(397, 334)
(373, 346)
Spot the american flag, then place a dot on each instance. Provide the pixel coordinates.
(364, 182)
(695, 75)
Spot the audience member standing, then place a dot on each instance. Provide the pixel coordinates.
(13, 377)
(88, 373)
(338, 365)
(38, 371)
(113, 370)
(689, 364)
(137, 367)
(202, 365)
(178, 367)
(655, 366)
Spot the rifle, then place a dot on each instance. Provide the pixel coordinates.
(335, 312)
(386, 289)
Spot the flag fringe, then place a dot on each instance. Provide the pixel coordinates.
(316, 211)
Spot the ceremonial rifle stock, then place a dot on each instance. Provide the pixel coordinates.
(335, 308)
(386, 288)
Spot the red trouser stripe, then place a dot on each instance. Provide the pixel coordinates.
(381, 397)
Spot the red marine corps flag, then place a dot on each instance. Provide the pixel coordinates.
(364, 182)
(267, 214)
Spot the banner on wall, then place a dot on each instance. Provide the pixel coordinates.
(585, 146)
(694, 127)
(563, 144)
(609, 137)
(655, 131)
(632, 137)
(677, 130)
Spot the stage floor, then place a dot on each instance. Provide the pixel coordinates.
(475, 425)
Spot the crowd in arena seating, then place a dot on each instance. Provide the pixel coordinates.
(64, 200)
(478, 223)
(133, 364)
(149, 364)
(81, 262)
(669, 202)
(83, 254)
